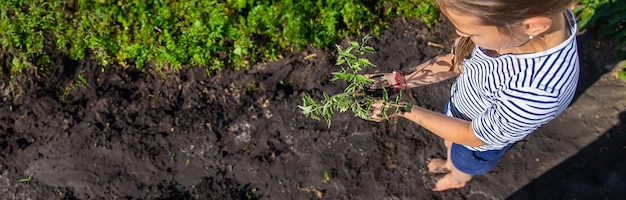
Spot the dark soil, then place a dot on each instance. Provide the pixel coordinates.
(127, 134)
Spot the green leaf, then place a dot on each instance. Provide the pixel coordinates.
(339, 49)
(383, 112)
(385, 95)
(351, 88)
(586, 18)
(621, 75)
(340, 61)
(326, 97)
(27, 179)
(355, 67)
(362, 114)
(306, 109)
(365, 62)
(350, 58)
(398, 101)
(363, 80)
(348, 51)
(342, 76)
(368, 49)
(354, 45)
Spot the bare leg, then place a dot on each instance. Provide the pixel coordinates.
(440, 165)
(455, 179)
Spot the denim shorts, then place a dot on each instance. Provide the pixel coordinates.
(475, 162)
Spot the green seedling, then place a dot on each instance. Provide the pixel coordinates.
(251, 194)
(79, 82)
(357, 96)
(24, 180)
(326, 177)
(156, 96)
(253, 87)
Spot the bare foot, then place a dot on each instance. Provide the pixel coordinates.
(437, 166)
(446, 183)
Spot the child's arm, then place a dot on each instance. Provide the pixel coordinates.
(452, 129)
(433, 71)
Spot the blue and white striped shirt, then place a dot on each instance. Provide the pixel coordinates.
(509, 96)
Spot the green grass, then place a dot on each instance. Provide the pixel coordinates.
(214, 34)
(186, 33)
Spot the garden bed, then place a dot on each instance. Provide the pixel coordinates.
(127, 134)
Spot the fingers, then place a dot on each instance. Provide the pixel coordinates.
(395, 110)
(381, 80)
(375, 76)
(380, 84)
(376, 112)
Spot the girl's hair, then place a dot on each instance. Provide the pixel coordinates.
(503, 14)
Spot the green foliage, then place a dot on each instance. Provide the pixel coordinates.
(621, 74)
(608, 18)
(425, 10)
(23, 30)
(353, 97)
(173, 34)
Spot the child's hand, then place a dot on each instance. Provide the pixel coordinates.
(382, 80)
(377, 115)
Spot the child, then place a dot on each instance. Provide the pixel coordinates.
(516, 64)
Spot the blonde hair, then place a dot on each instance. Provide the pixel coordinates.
(503, 14)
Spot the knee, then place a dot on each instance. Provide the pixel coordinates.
(448, 144)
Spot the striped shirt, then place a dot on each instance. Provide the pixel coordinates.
(509, 96)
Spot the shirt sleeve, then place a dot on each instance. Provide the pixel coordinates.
(516, 113)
